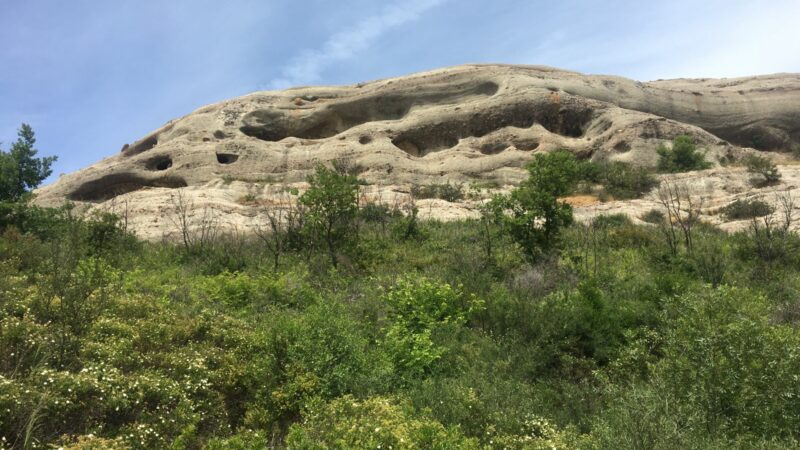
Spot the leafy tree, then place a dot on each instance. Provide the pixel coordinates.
(533, 214)
(682, 157)
(332, 202)
(20, 169)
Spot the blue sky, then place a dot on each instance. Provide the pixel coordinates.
(92, 75)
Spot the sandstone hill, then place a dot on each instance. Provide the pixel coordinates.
(474, 123)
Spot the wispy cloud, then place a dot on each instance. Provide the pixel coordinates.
(307, 67)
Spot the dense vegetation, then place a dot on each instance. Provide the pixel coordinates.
(345, 327)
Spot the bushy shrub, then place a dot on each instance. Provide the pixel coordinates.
(620, 180)
(654, 216)
(445, 191)
(418, 309)
(323, 352)
(376, 422)
(683, 156)
(764, 168)
(377, 213)
(747, 209)
(725, 359)
(256, 293)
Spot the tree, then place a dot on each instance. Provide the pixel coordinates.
(332, 209)
(285, 221)
(20, 169)
(682, 214)
(533, 214)
(682, 157)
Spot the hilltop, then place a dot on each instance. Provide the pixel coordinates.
(476, 124)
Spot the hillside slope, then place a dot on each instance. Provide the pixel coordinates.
(460, 124)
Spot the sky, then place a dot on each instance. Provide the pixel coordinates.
(92, 75)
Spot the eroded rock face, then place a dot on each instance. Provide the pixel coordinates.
(461, 124)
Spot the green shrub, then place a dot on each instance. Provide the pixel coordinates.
(445, 191)
(724, 358)
(747, 209)
(418, 309)
(322, 352)
(683, 156)
(377, 213)
(376, 422)
(763, 167)
(654, 216)
(624, 181)
(620, 180)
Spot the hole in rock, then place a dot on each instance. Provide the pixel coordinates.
(110, 186)
(493, 148)
(219, 134)
(328, 121)
(622, 146)
(227, 158)
(159, 163)
(425, 139)
(526, 145)
(363, 140)
(141, 146)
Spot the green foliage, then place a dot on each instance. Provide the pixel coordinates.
(724, 358)
(612, 341)
(376, 422)
(332, 202)
(620, 180)
(419, 310)
(377, 213)
(20, 169)
(533, 214)
(445, 191)
(764, 168)
(322, 353)
(654, 216)
(683, 156)
(747, 209)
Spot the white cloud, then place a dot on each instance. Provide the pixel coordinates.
(307, 67)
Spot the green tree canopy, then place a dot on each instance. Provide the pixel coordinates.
(533, 213)
(332, 202)
(20, 169)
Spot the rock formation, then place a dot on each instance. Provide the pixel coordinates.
(460, 124)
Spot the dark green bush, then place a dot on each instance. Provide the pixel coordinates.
(747, 209)
(764, 168)
(683, 156)
(717, 352)
(654, 216)
(620, 180)
(445, 191)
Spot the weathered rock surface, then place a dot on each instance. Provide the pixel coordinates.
(460, 124)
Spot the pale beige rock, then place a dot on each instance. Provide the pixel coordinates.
(461, 124)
